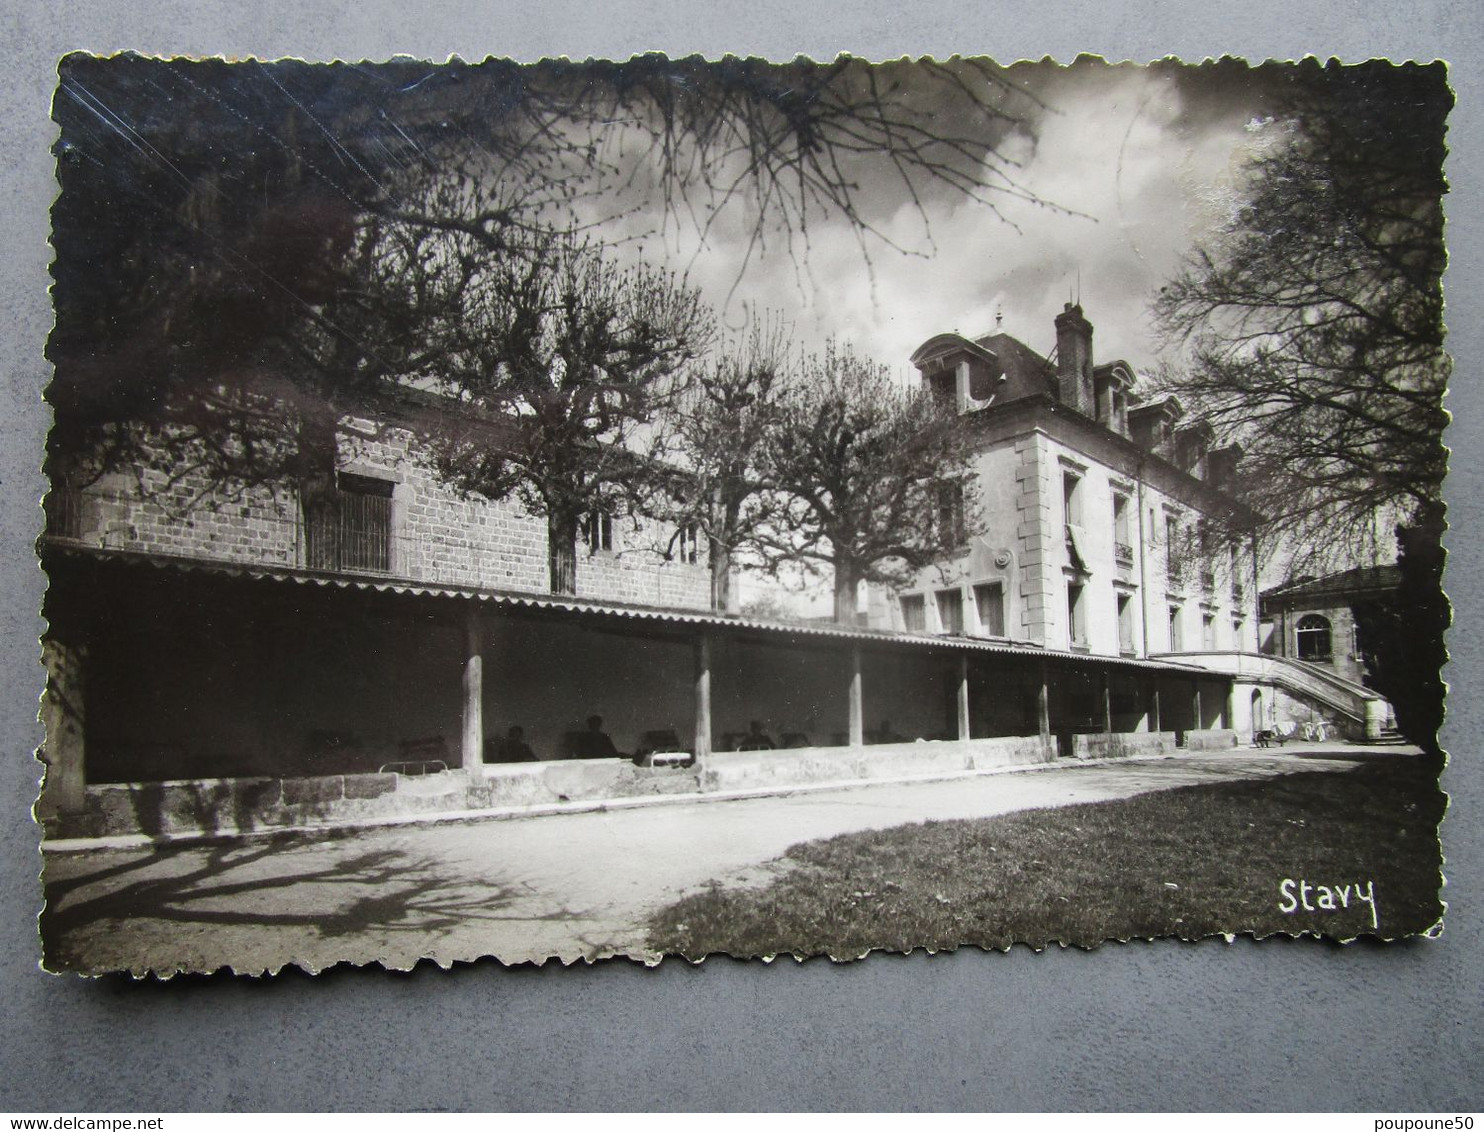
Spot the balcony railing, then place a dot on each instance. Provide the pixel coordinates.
(1123, 553)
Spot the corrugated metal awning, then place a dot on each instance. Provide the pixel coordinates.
(53, 549)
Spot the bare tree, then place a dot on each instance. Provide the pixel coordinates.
(216, 230)
(1315, 320)
(718, 437)
(548, 365)
(876, 477)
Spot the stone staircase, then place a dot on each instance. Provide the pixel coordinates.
(1361, 711)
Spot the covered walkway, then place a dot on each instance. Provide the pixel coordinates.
(168, 670)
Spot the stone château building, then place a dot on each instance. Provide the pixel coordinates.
(230, 660)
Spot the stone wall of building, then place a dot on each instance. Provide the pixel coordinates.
(436, 537)
(1022, 477)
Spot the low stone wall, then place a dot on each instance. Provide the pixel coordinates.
(1101, 745)
(1216, 739)
(230, 805)
(760, 770)
(577, 780)
(242, 805)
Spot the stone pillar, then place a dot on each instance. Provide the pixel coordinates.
(1107, 705)
(64, 792)
(963, 696)
(471, 751)
(702, 746)
(1155, 724)
(1375, 718)
(1196, 724)
(857, 710)
(1043, 710)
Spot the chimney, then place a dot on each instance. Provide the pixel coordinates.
(1221, 466)
(1074, 360)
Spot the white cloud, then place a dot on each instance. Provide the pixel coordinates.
(1130, 186)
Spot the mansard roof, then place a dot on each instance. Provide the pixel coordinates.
(1358, 583)
(1027, 373)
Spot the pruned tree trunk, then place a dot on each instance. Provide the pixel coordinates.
(561, 552)
(846, 586)
(722, 597)
(317, 457)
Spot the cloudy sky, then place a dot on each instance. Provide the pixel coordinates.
(1135, 166)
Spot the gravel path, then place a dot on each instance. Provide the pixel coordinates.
(570, 886)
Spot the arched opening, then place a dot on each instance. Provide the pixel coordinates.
(1313, 638)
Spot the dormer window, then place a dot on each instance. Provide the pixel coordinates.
(943, 386)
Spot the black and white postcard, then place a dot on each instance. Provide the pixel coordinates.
(681, 507)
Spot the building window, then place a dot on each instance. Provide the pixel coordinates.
(951, 610)
(1123, 539)
(352, 529)
(1177, 641)
(914, 613)
(1174, 550)
(64, 512)
(989, 600)
(1076, 615)
(1208, 632)
(1313, 638)
(1125, 624)
(689, 541)
(1203, 543)
(951, 528)
(597, 531)
(1071, 491)
(1238, 624)
(1071, 498)
(944, 389)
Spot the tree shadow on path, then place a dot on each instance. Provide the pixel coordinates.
(374, 891)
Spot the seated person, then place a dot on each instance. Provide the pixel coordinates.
(594, 742)
(884, 734)
(514, 748)
(756, 739)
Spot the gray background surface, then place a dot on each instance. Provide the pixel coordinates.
(1281, 1024)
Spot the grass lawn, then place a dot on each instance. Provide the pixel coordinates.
(1189, 862)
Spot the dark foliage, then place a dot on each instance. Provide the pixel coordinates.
(220, 235)
(1315, 320)
(1403, 637)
